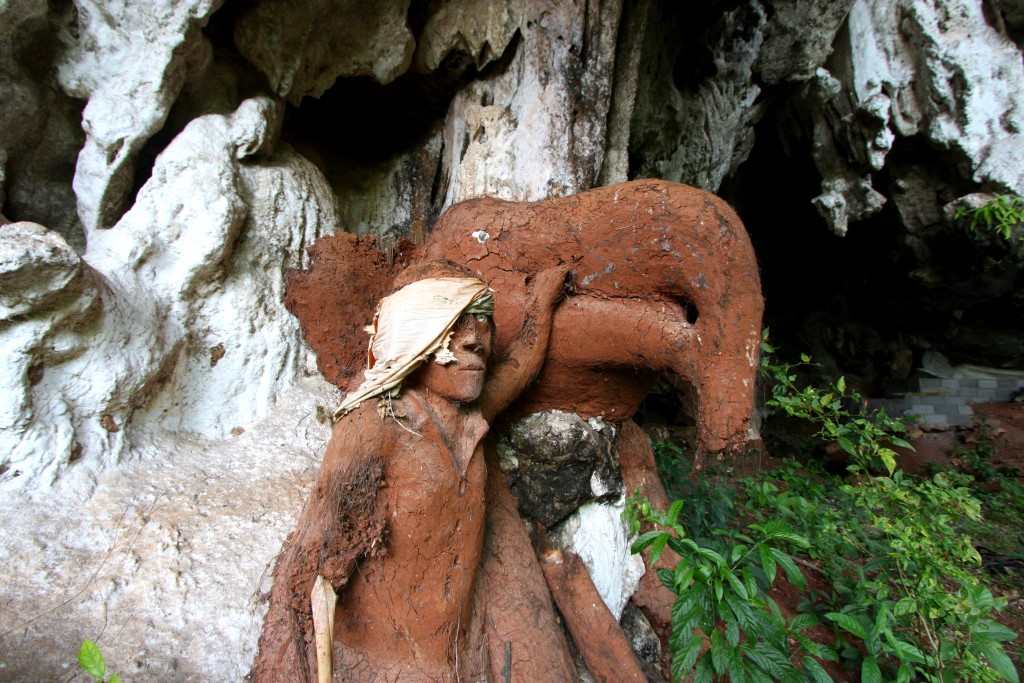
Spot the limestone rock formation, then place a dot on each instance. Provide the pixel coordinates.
(303, 47)
(130, 61)
(536, 129)
(40, 131)
(174, 317)
(925, 80)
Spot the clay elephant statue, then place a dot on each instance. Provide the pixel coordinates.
(666, 280)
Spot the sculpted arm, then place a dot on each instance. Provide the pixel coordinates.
(342, 522)
(525, 356)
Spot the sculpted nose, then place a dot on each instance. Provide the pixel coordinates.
(472, 342)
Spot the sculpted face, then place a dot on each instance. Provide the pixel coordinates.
(463, 379)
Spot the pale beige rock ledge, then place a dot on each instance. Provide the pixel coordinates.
(166, 563)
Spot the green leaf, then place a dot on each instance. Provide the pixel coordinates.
(841, 385)
(804, 358)
(847, 623)
(998, 660)
(719, 652)
(793, 574)
(711, 555)
(732, 633)
(683, 577)
(847, 445)
(992, 630)
(802, 622)
(667, 578)
(644, 540)
(673, 512)
(684, 658)
(904, 606)
(767, 562)
(869, 671)
(114, 679)
(816, 671)
(888, 457)
(737, 586)
(703, 674)
(907, 652)
(657, 547)
(91, 660)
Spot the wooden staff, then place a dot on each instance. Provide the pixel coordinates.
(323, 600)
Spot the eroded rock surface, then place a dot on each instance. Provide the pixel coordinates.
(168, 564)
(556, 461)
(303, 47)
(926, 80)
(130, 61)
(537, 128)
(40, 129)
(172, 318)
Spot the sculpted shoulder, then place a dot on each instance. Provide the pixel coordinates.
(360, 434)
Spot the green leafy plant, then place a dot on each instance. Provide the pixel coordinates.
(709, 504)
(904, 577)
(724, 623)
(90, 660)
(1002, 216)
(839, 413)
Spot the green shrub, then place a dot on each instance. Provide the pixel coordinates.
(906, 597)
(904, 577)
(724, 623)
(1002, 217)
(839, 413)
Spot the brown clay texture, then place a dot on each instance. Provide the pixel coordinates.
(640, 474)
(596, 632)
(526, 643)
(398, 531)
(336, 298)
(648, 256)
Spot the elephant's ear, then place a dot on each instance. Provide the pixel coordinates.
(335, 299)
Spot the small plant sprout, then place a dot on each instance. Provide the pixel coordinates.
(90, 660)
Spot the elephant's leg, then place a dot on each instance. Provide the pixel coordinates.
(524, 640)
(599, 638)
(640, 474)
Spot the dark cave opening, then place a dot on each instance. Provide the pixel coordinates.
(869, 304)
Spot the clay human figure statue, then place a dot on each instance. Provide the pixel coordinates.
(395, 522)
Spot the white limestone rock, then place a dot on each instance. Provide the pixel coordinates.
(698, 133)
(946, 75)
(129, 60)
(168, 564)
(598, 535)
(699, 90)
(482, 29)
(537, 128)
(175, 321)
